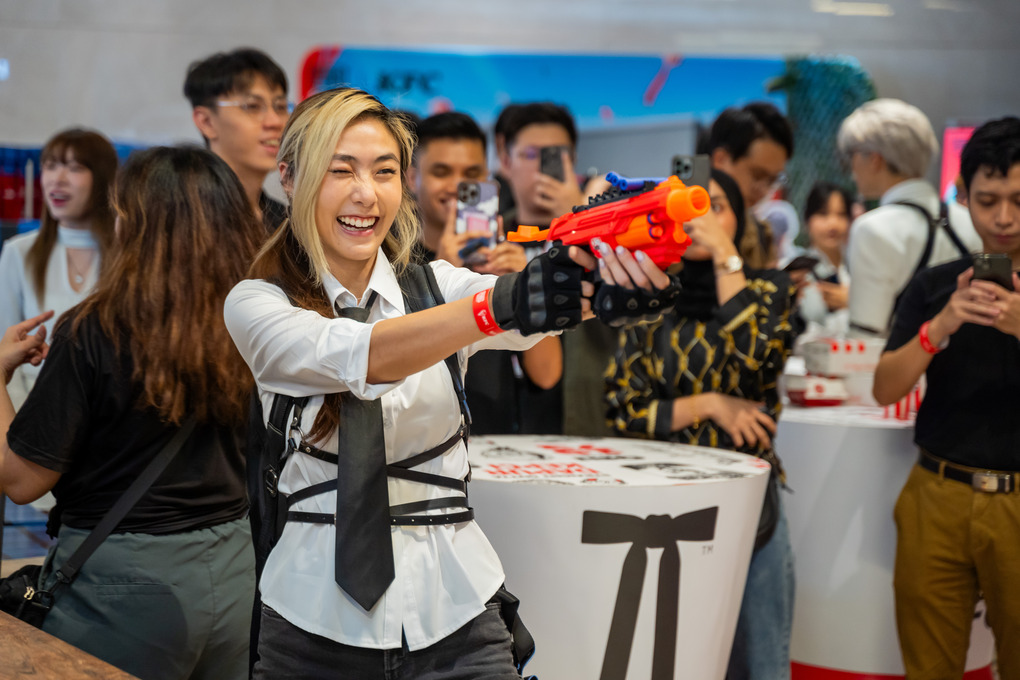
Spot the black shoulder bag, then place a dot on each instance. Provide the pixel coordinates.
(21, 594)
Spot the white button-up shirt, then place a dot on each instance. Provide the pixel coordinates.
(886, 245)
(18, 300)
(444, 573)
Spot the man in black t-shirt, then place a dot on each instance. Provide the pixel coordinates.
(958, 516)
(239, 105)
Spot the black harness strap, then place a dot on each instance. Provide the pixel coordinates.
(434, 452)
(934, 225)
(414, 460)
(309, 491)
(415, 520)
(427, 478)
(420, 291)
(430, 504)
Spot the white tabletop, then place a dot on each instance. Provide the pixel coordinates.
(846, 416)
(584, 461)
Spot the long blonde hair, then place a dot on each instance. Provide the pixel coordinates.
(308, 143)
(294, 258)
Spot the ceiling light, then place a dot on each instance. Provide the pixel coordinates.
(852, 9)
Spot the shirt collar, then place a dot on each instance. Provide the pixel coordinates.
(913, 190)
(383, 281)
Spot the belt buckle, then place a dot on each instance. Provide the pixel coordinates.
(988, 482)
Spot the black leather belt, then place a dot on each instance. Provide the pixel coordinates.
(988, 481)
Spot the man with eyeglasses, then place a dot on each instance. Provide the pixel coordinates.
(539, 197)
(752, 145)
(889, 144)
(239, 105)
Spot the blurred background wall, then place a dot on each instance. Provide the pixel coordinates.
(118, 65)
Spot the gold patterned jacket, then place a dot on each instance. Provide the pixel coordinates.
(739, 351)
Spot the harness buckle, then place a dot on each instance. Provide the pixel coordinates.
(271, 480)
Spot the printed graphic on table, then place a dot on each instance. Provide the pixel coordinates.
(574, 460)
(629, 556)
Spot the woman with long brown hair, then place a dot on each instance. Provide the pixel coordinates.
(168, 594)
(55, 267)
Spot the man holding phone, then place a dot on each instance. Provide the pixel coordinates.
(540, 142)
(958, 516)
(540, 146)
(505, 390)
(451, 150)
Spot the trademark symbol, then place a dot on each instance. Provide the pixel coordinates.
(706, 550)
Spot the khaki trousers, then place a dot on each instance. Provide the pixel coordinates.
(953, 544)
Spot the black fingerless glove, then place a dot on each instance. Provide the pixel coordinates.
(617, 306)
(546, 296)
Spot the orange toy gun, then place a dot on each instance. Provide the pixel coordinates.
(638, 214)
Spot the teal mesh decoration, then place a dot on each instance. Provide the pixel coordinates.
(820, 93)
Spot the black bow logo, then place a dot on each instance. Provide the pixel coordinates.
(655, 531)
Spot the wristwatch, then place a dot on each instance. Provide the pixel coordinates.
(731, 265)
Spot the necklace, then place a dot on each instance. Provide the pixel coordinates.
(77, 274)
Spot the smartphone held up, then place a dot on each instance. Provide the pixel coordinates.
(551, 162)
(994, 267)
(477, 209)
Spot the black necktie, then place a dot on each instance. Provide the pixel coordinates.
(364, 551)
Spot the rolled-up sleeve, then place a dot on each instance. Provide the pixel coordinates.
(298, 352)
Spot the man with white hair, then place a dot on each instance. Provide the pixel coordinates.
(889, 145)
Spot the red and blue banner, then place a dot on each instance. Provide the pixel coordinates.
(600, 90)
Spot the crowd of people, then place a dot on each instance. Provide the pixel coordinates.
(173, 298)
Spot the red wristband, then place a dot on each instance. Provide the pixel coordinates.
(483, 313)
(922, 336)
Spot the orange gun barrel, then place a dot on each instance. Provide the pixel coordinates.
(650, 220)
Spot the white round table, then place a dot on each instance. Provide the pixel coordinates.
(629, 556)
(846, 466)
